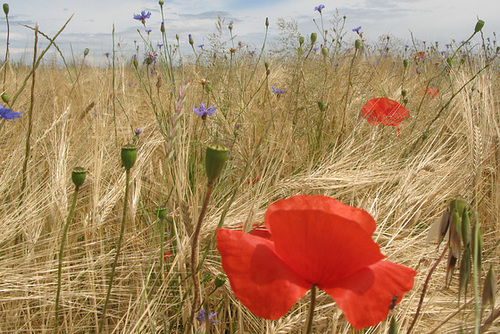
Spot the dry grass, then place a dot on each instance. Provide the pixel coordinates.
(286, 141)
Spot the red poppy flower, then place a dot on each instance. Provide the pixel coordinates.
(432, 91)
(384, 111)
(316, 240)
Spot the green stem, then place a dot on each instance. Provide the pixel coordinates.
(310, 314)
(61, 251)
(194, 257)
(118, 248)
(6, 52)
(475, 272)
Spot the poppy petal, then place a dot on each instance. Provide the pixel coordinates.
(320, 238)
(367, 296)
(258, 277)
(385, 111)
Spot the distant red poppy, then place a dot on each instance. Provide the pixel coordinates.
(384, 111)
(316, 240)
(432, 91)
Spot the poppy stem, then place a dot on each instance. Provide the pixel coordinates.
(310, 315)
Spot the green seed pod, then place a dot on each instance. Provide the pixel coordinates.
(357, 44)
(314, 37)
(321, 106)
(301, 40)
(462, 60)
(479, 26)
(216, 156)
(78, 176)
(220, 280)
(230, 27)
(86, 52)
(324, 51)
(5, 98)
(405, 63)
(490, 288)
(161, 213)
(129, 155)
(6, 8)
(393, 328)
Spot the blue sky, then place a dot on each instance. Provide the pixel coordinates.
(92, 24)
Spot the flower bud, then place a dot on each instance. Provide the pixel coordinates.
(405, 63)
(5, 97)
(479, 26)
(266, 65)
(324, 51)
(357, 44)
(162, 27)
(301, 40)
(230, 26)
(136, 63)
(177, 37)
(219, 280)
(78, 176)
(86, 52)
(267, 22)
(268, 72)
(216, 156)
(129, 156)
(314, 37)
(161, 2)
(191, 40)
(404, 92)
(208, 88)
(6, 8)
(161, 213)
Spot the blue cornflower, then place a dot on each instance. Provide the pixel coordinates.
(204, 111)
(277, 91)
(149, 31)
(137, 131)
(142, 16)
(150, 58)
(159, 45)
(211, 316)
(201, 46)
(357, 29)
(319, 8)
(7, 114)
(251, 53)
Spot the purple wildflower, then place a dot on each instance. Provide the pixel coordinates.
(150, 58)
(142, 16)
(201, 46)
(137, 131)
(251, 53)
(204, 111)
(319, 8)
(277, 91)
(357, 29)
(159, 45)
(149, 31)
(8, 114)
(107, 54)
(211, 316)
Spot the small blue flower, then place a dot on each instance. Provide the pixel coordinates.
(137, 132)
(211, 316)
(7, 114)
(319, 8)
(277, 91)
(204, 111)
(149, 31)
(142, 16)
(159, 45)
(357, 29)
(201, 46)
(251, 53)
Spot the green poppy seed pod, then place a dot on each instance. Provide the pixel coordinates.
(216, 156)
(78, 176)
(324, 51)
(393, 328)
(314, 37)
(161, 213)
(161, 2)
(220, 280)
(479, 26)
(490, 288)
(321, 106)
(5, 97)
(301, 40)
(86, 52)
(357, 44)
(404, 92)
(405, 63)
(6, 8)
(129, 155)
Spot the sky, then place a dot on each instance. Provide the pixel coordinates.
(93, 21)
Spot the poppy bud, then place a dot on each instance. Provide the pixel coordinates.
(267, 22)
(321, 106)
(405, 63)
(86, 52)
(191, 40)
(78, 176)
(220, 280)
(216, 156)
(301, 40)
(6, 8)
(129, 156)
(357, 44)
(5, 97)
(324, 51)
(314, 37)
(479, 26)
(161, 213)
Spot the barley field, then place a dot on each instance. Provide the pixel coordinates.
(114, 255)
